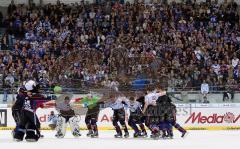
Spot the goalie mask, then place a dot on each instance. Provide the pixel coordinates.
(31, 86)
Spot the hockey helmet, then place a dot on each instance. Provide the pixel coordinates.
(30, 85)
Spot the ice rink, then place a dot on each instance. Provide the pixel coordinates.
(194, 140)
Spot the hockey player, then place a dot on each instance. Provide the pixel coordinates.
(92, 118)
(17, 107)
(163, 106)
(117, 104)
(135, 118)
(28, 123)
(141, 100)
(67, 115)
(171, 121)
(167, 119)
(150, 110)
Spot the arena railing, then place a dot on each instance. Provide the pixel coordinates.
(212, 89)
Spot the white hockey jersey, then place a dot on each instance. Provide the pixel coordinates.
(118, 104)
(152, 97)
(133, 107)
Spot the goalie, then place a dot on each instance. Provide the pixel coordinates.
(66, 115)
(24, 113)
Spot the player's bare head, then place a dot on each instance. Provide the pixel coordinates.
(112, 98)
(149, 88)
(159, 87)
(131, 98)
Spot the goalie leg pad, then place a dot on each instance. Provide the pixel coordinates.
(16, 116)
(61, 127)
(19, 133)
(31, 134)
(74, 125)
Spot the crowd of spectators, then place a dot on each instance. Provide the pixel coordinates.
(181, 44)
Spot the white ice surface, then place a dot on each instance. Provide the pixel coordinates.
(194, 140)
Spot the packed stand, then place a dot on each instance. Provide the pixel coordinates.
(181, 44)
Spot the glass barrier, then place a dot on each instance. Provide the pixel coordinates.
(8, 95)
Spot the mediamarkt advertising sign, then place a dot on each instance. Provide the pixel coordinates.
(191, 116)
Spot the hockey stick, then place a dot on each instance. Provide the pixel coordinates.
(174, 97)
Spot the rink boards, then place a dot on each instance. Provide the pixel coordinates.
(190, 116)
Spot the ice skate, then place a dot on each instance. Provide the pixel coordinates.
(184, 134)
(137, 135)
(94, 135)
(118, 135)
(126, 135)
(144, 134)
(90, 132)
(76, 133)
(59, 135)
